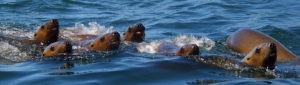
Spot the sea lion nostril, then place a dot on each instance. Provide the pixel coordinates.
(115, 33)
(53, 20)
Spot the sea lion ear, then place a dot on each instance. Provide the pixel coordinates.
(52, 48)
(42, 27)
(102, 38)
(52, 20)
(129, 29)
(180, 51)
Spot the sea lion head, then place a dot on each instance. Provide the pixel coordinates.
(108, 42)
(189, 49)
(135, 33)
(263, 55)
(47, 33)
(57, 48)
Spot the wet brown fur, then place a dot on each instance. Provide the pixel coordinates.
(47, 33)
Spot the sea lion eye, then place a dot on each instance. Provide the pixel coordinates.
(52, 48)
(34, 34)
(92, 45)
(248, 58)
(257, 50)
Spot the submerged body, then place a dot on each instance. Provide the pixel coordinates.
(244, 40)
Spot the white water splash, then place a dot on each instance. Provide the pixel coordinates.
(203, 42)
(157, 47)
(16, 32)
(173, 45)
(12, 53)
(92, 28)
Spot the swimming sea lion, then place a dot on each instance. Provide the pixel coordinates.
(57, 48)
(47, 33)
(135, 33)
(189, 49)
(108, 42)
(244, 40)
(263, 55)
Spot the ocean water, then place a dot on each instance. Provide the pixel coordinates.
(206, 23)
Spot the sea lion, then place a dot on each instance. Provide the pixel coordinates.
(188, 49)
(263, 55)
(47, 33)
(244, 40)
(57, 48)
(108, 42)
(135, 33)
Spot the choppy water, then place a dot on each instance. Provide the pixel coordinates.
(203, 22)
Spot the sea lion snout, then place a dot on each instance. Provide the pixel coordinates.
(116, 34)
(272, 45)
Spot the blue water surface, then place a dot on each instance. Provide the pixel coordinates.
(163, 19)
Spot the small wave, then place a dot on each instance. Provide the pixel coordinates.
(13, 3)
(12, 53)
(16, 32)
(173, 45)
